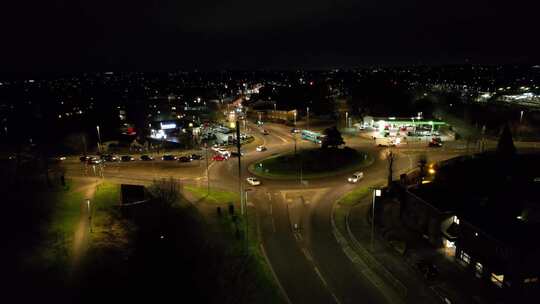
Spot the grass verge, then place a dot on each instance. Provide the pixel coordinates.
(215, 196)
(315, 163)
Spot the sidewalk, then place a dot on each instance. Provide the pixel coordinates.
(452, 282)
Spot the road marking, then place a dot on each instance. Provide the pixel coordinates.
(307, 254)
(320, 276)
(271, 210)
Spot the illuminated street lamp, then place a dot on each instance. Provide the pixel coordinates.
(89, 214)
(346, 119)
(294, 118)
(376, 193)
(99, 138)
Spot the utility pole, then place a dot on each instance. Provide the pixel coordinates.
(376, 193)
(238, 146)
(207, 172)
(247, 220)
(308, 118)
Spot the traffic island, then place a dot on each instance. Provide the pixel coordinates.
(311, 164)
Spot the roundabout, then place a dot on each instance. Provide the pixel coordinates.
(311, 164)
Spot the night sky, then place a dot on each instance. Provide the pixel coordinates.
(70, 35)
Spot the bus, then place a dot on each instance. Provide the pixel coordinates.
(312, 136)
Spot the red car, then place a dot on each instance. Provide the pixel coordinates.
(219, 157)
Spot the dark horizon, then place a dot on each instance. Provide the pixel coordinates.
(66, 37)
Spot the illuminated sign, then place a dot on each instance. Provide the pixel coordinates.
(167, 126)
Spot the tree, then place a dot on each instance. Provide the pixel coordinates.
(332, 138)
(165, 191)
(505, 146)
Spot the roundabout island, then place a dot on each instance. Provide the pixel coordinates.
(311, 164)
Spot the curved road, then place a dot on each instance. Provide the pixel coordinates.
(309, 263)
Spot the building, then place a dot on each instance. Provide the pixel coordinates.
(485, 216)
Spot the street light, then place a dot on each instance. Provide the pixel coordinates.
(247, 219)
(346, 119)
(376, 193)
(99, 138)
(294, 118)
(89, 214)
(308, 118)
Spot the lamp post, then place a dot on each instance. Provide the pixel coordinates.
(376, 193)
(308, 118)
(346, 119)
(207, 172)
(294, 118)
(99, 138)
(247, 218)
(89, 214)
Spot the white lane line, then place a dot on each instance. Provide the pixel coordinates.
(320, 276)
(307, 254)
(282, 139)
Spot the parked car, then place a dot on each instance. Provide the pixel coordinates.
(111, 158)
(146, 157)
(126, 158)
(427, 269)
(184, 159)
(84, 158)
(260, 148)
(169, 157)
(253, 181)
(235, 153)
(196, 156)
(219, 157)
(94, 161)
(356, 177)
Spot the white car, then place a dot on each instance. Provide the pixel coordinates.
(356, 177)
(260, 148)
(224, 152)
(253, 181)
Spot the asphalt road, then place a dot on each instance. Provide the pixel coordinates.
(307, 259)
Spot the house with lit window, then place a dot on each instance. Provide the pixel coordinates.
(488, 221)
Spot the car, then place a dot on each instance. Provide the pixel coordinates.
(253, 181)
(435, 142)
(224, 152)
(184, 159)
(219, 157)
(84, 158)
(146, 157)
(235, 153)
(196, 156)
(427, 269)
(260, 148)
(356, 177)
(265, 132)
(295, 130)
(169, 157)
(110, 158)
(94, 161)
(126, 158)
